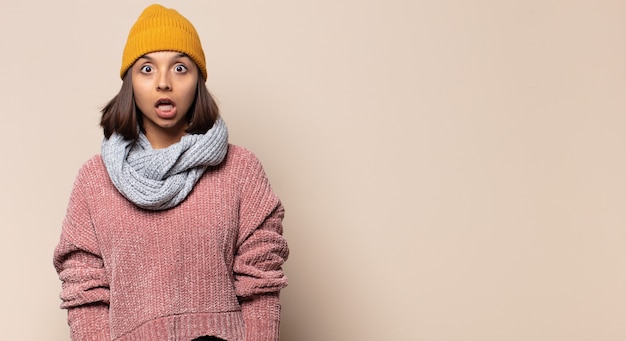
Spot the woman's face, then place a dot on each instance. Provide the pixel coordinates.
(164, 85)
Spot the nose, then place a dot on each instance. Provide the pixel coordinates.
(163, 82)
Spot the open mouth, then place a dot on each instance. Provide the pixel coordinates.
(165, 104)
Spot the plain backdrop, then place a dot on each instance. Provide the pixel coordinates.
(452, 170)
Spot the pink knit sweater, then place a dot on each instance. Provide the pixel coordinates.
(209, 266)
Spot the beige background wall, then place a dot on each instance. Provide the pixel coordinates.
(452, 170)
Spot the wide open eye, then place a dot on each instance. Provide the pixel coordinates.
(180, 68)
(146, 69)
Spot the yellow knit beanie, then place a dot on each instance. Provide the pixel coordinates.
(162, 29)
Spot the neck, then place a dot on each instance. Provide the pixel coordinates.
(160, 138)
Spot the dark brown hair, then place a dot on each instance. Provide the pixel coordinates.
(121, 115)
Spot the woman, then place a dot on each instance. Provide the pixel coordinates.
(171, 233)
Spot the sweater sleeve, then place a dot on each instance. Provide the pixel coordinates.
(261, 252)
(77, 260)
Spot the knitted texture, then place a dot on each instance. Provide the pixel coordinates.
(210, 266)
(159, 179)
(162, 29)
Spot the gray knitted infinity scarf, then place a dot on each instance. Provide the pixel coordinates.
(158, 179)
